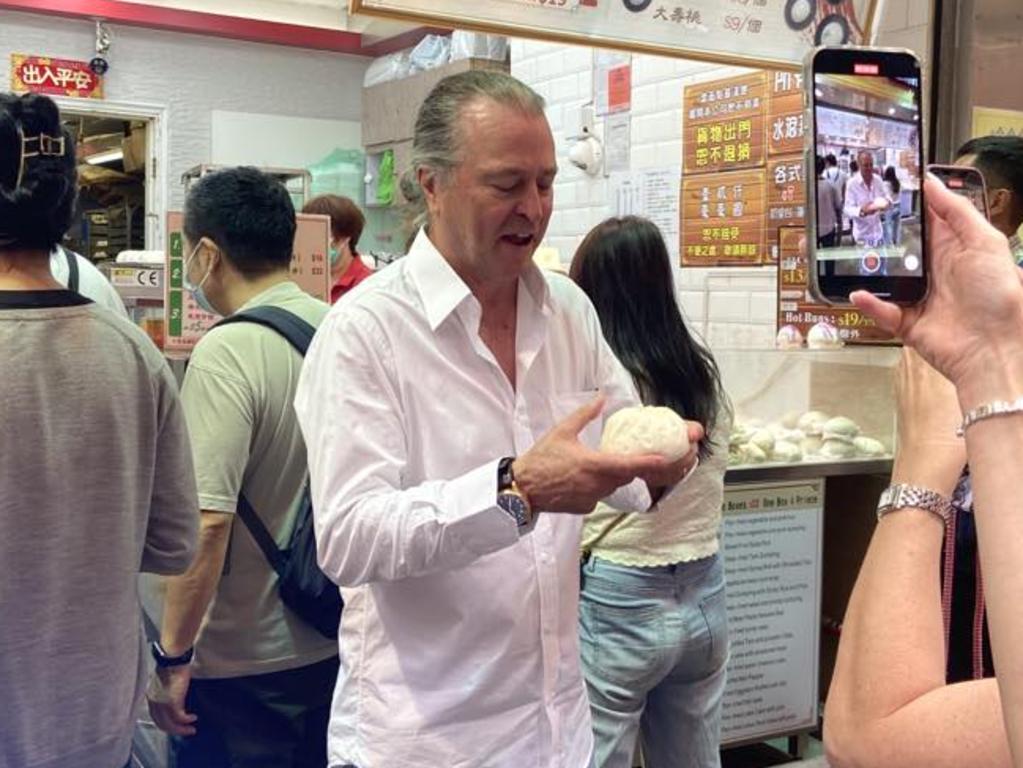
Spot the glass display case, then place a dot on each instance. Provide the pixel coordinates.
(820, 412)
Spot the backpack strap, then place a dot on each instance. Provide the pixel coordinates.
(72, 269)
(299, 334)
(297, 331)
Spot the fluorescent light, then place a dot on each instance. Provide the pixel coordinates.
(891, 110)
(102, 158)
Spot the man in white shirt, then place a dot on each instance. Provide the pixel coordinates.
(864, 201)
(450, 411)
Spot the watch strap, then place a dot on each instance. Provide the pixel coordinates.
(163, 660)
(505, 475)
(905, 496)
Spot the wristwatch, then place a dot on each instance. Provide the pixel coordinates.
(510, 497)
(902, 496)
(163, 660)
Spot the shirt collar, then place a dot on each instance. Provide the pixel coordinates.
(275, 293)
(441, 289)
(354, 272)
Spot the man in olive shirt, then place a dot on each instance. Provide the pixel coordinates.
(258, 689)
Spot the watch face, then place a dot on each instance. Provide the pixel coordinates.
(515, 506)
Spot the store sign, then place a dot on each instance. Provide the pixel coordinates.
(797, 306)
(54, 77)
(786, 124)
(771, 544)
(186, 323)
(997, 122)
(777, 33)
(723, 218)
(786, 197)
(724, 124)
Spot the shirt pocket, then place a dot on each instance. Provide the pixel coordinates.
(564, 404)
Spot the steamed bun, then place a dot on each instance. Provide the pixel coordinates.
(646, 429)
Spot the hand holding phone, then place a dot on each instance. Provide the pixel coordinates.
(865, 108)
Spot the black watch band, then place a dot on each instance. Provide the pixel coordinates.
(505, 475)
(163, 660)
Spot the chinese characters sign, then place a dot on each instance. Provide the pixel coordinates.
(786, 197)
(186, 322)
(797, 306)
(55, 77)
(785, 117)
(724, 124)
(772, 33)
(723, 218)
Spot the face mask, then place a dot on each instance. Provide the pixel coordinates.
(335, 256)
(196, 290)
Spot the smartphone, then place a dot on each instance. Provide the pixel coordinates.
(866, 227)
(966, 181)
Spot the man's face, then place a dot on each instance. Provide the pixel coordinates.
(489, 213)
(866, 166)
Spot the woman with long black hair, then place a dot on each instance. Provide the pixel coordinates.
(652, 609)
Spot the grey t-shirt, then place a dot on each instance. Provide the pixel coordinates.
(238, 394)
(97, 484)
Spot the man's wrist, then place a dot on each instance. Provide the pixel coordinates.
(169, 658)
(997, 375)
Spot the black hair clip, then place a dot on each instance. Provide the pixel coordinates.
(44, 145)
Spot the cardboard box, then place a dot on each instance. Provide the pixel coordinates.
(134, 148)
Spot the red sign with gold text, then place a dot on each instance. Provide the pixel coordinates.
(54, 77)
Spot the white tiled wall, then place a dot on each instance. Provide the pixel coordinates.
(732, 307)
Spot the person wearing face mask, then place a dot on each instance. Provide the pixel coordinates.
(1000, 159)
(240, 679)
(347, 269)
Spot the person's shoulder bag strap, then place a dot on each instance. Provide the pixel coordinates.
(299, 334)
(72, 269)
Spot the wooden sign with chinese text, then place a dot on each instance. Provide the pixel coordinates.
(786, 197)
(796, 305)
(723, 124)
(785, 116)
(723, 218)
(54, 77)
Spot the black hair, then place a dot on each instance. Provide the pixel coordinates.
(854, 166)
(624, 267)
(248, 214)
(821, 162)
(35, 213)
(830, 159)
(1000, 159)
(892, 178)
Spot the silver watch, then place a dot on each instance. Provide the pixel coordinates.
(902, 496)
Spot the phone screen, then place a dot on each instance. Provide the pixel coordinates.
(866, 111)
(965, 181)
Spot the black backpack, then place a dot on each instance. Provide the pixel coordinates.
(303, 587)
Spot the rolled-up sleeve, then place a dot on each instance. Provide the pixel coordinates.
(369, 526)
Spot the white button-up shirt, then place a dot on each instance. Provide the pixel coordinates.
(458, 638)
(866, 230)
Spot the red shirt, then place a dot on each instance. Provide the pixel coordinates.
(351, 277)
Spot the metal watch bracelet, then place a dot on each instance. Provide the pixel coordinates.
(989, 411)
(903, 496)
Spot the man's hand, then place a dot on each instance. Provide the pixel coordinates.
(560, 474)
(166, 697)
(672, 473)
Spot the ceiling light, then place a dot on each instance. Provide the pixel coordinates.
(891, 110)
(103, 158)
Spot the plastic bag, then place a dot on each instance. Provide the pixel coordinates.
(430, 52)
(393, 66)
(478, 45)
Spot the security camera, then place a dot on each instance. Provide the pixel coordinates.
(587, 154)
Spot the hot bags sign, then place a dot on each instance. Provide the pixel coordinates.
(54, 77)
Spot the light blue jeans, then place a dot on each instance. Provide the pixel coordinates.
(654, 647)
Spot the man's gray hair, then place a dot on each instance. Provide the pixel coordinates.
(437, 142)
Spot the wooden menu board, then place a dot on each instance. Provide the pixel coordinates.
(185, 323)
(723, 218)
(796, 305)
(786, 197)
(723, 124)
(786, 125)
(773, 33)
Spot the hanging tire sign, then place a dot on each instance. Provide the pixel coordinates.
(799, 14)
(833, 30)
(636, 5)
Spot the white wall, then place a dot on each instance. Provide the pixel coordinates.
(730, 307)
(193, 76)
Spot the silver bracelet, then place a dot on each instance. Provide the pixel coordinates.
(989, 411)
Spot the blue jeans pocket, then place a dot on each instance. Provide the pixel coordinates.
(715, 615)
